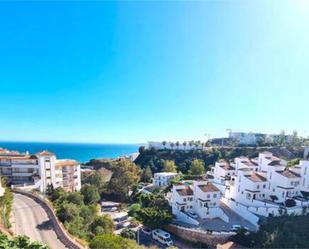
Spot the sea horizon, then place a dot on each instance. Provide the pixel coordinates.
(80, 151)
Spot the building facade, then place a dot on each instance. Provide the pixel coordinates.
(201, 198)
(40, 170)
(263, 185)
(163, 178)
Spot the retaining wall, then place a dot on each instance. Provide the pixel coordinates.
(68, 240)
(195, 235)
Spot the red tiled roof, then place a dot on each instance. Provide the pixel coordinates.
(45, 153)
(65, 163)
(209, 187)
(288, 173)
(185, 191)
(256, 177)
(275, 163)
(225, 165)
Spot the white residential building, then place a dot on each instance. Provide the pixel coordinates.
(39, 170)
(199, 197)
(263, 185)
(175, 145)
(223, 171)
(163, 178)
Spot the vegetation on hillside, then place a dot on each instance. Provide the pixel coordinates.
(278, 232)
(6, 202)
(78, 215)
(151, 210)
(156, 159)
(19, 242)
(79, 211)
(110, 241)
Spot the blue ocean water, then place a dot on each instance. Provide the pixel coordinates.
(80, 152)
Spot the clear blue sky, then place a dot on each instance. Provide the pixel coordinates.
(139, 71)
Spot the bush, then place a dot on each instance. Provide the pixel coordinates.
(133, 209)
(128, 233)
(19, 242)
(102, 225)
(111, 241)
(75, 198)
(67, 212)
(154, 217)
(90, 193)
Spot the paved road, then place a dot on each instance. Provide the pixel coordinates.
(146, 240)
(30, 219)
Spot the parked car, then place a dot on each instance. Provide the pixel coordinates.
(162, 236)
(236, 227)
(192, 215)
(146, 230)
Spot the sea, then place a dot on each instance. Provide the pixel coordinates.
(83, 152)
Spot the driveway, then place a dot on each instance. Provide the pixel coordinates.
(148, 241)
(219, 225)
(30, 219)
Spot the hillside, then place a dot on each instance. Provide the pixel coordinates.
(155, 158)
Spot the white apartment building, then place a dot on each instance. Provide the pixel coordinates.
(199, 197)
(39, 170)
(175, 146)
(163, 178)
(262, 185)
(223, 171)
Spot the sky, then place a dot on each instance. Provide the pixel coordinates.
(131, 72)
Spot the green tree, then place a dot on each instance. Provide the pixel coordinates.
(102, 225)
(75, 198)
(281, 139)
(169, 166)
(19, 242)
(133, 209)
(147, 174)
(90, 193)
(197, 167)
(154, 216)
(295, 140)
(128, 233)
(125, 175)
(97, 179)
(88, 214)
(67, 212)
(111, 241)
(6, 202)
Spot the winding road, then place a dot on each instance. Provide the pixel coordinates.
(29, 218)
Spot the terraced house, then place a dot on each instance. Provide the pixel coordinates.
(262, 186)
(40, 170)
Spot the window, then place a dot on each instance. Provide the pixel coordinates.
(208, 196)
(215, 195)
(258, 186)
(184, 199)
(264, 186)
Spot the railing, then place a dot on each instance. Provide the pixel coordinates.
(67, 239)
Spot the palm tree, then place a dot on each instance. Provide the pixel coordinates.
(184, 145)
(177, 145)
(172, 145)
(164, 144)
